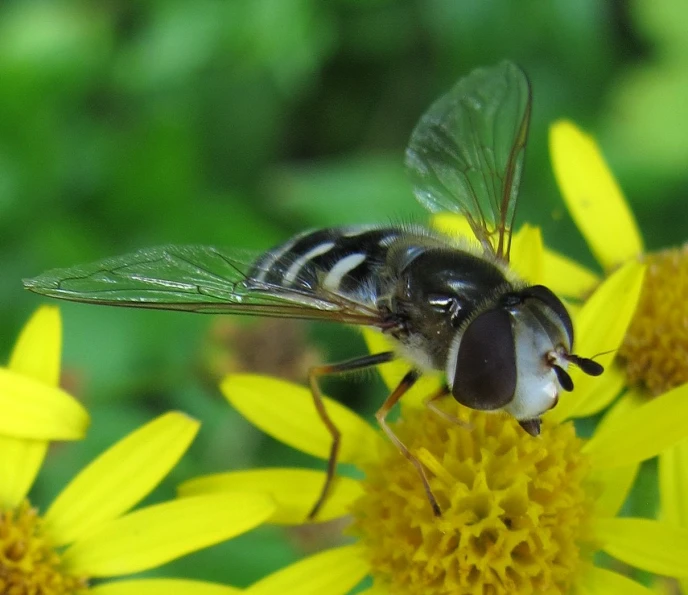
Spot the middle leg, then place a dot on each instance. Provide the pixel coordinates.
(359, 363)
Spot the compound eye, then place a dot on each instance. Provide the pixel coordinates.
(540, 292)
(485, 375)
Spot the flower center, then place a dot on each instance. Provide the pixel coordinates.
(655, 349)
(515, 509)
(28, 562)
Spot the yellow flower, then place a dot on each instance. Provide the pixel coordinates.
(86, 534)
(655, 350)
(520, 515)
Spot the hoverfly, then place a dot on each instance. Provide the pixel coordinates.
(503, 345)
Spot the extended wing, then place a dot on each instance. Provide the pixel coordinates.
(466, 153)
(195, 279)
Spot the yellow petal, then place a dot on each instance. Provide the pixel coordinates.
(334, 572)
(600, 581)
(162, 586)
(393, 372)
(574, 309)
(32, 409)
(527, 254)
(294, 491)
(641, 433)
(630, 401)
(561, 274)
(600, 392)
(599, 329)
(120, 477)
(566, 277)
(646, 544)
(615, 483)
(673, 484)
(38, 349)
(454, 226)
(286, 412)
(20, 461)
(593, 196)
(155, 535)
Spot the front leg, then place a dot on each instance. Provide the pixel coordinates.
(431, 403)
(406, 383)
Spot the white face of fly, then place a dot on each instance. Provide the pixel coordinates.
(537, 383)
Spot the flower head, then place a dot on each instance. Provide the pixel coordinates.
(520, 515)
(516, 510)
(655, 350)
(654, 353)
(87, 532)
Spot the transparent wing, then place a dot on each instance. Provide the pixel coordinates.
(466, 153)
(195, 279)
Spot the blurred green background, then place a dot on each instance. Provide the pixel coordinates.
(240, 122)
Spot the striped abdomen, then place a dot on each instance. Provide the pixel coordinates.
(344, 260)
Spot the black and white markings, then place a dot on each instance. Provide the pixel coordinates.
(343, 260)
(303, 261)
(343, 267)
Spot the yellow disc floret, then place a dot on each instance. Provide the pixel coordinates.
(655, 349)
(515, 509)
(29, 565)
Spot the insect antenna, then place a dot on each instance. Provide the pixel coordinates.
(563, 378)
(587, 365)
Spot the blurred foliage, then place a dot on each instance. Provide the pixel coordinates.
(647, 118)
(239, 122)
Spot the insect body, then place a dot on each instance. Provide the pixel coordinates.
(448, 307)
